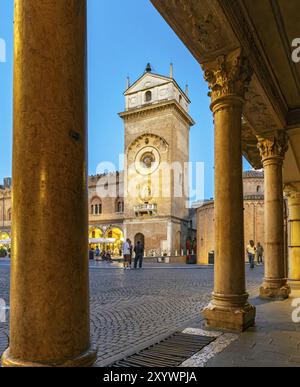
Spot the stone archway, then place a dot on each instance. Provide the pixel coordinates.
(95, 233)
(114, 238)
(139, 237)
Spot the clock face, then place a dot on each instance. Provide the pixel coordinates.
(147, 160)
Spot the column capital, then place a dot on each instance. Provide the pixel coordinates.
(292, 191)
(228, 76)
(273, 146)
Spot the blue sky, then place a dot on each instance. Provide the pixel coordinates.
(123, 35)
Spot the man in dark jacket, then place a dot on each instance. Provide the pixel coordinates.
(139, 255)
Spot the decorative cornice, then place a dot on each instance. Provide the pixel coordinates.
(142, 112)
(273, 146)
(258, 175)
(256, 198)
(229, 75)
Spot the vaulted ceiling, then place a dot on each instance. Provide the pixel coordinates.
(264, 29)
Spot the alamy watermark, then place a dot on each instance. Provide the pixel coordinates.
(2, 51)
(296, 51)
(296, 311)
(149, 178)
(3, 309)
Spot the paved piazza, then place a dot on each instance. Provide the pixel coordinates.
(132, 309)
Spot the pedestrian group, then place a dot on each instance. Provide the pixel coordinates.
(255, 251)
(128, 251)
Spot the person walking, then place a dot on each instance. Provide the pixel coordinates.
(97, 251)
(126, 254)
(260, 253)
(139, 255)
(251, 251)
(131, 253)
(108, 257)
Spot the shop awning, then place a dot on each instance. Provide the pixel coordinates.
(5, 242)
(102, 240)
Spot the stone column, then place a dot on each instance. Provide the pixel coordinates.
(49, 310)
(272, 149)
(293, 195)
(228, 79)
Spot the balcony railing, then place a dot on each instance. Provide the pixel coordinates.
(145, 209)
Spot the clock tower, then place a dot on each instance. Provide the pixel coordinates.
(157, 125)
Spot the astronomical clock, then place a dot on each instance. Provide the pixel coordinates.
(144, 160)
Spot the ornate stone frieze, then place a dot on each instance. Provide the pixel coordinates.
(236, 12)
(204, 29)
(200, 24)
(249, 145)
(257, 111)
(274, 145)
(228, 75)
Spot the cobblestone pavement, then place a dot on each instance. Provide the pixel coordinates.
(133, 309)
(4, 295)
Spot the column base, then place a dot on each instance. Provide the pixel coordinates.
(86, 359)
(232, 319)
(275, 290)
(294, 284)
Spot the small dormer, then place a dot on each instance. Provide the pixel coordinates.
(153, 88)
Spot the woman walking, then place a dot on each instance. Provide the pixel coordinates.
(251, 251)
(126, 254)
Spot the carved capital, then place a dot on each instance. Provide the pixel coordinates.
(273, 146)
(292, 192)
(229, 75)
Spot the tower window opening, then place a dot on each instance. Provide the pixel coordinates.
(148, 96)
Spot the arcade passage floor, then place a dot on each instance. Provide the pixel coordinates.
(133, 309)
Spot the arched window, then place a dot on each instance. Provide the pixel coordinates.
(180, 98)
(96, 206)
(258, 188)
(139, 237)
(9, 215)
(119, 205)
(148, 96)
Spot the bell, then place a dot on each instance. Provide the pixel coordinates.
(148, 68)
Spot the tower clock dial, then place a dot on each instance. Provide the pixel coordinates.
(147, 160)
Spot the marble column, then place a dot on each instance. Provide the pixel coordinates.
(272, 149)
(49, 303)
(229, 309)
(293, 195)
